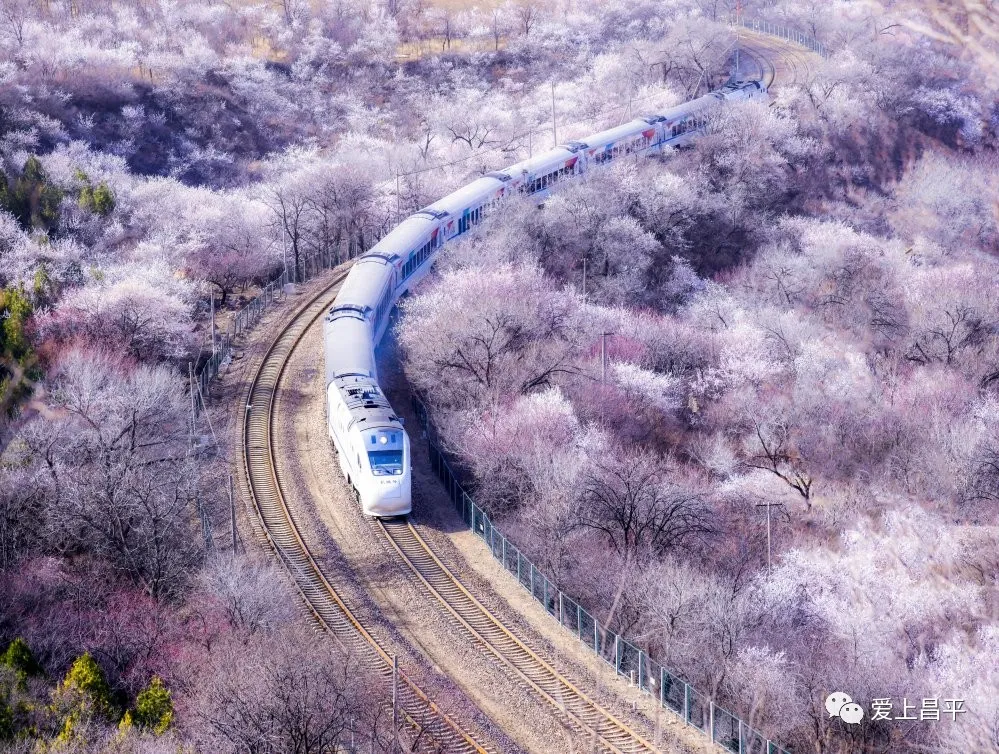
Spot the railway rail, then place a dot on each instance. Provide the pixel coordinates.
(431, 728)
(429, 725)
(611, 735)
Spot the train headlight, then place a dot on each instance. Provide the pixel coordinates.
(383, 439)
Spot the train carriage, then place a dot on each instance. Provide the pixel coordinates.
(372, 445)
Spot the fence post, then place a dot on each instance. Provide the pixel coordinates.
(662, 687)
(617, 654)
(532, 579)
(561, 618)
(641, 671)
(503, 543)
(740, 735)
(579, 621)
(711, 718)
(686, 703)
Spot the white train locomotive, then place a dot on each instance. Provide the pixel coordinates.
(372, 446)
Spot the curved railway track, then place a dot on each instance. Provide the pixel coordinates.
(611, 734)
(769, 52)
(768, 71)
(432, 729)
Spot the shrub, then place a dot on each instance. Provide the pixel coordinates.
(18, 657)
(83, 694)
(154, 707)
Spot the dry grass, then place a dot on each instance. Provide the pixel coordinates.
(435, 46)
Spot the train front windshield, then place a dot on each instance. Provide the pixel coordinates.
(385, 462)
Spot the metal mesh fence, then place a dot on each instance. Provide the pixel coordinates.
(627, 659)
(785, 33)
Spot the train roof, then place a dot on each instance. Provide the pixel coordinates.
(468, 195)
(366, 280)
(538, 164)
(405, 235)
(692, 107)
(347, 348)
(367, 404)
(611, 135)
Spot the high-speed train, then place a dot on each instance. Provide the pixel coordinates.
(372, 446)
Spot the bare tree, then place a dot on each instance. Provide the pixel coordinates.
(22, 515)
(121, 480)
(955, 329)
(497, 18)
(633, 501)
(527, 14)
(289, 692)
(342, 204)
(14, 14)
(695, 54)
(291, 204)
(251, 593)
(466, 343)
(772, 448)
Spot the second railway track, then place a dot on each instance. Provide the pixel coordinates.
(610, 734)
(428, 723)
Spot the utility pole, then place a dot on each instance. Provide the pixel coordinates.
(213, 320)
(554, 126)
(603, 358)
(398, 209)
(768, 506)
(194, 398)
(530, 144)
(284, 241)
(738, 31)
